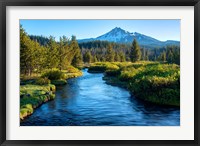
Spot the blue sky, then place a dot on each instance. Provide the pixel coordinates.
(159, 29)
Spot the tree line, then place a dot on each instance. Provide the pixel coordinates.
(96, 50)
(127, 52)
(38, 53)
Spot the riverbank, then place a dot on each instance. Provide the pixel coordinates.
(32, 96)
(89, 101)
(154, 82)
(40, 88)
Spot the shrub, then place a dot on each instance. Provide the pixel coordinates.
(71, 69)
(151, 81)
(42, 81)
(158, 84)
(54, 74)
(102, 67)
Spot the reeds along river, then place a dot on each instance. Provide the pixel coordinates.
(89, 101)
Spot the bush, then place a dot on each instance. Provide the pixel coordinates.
(71, 69)
(158, 84)
(42, 81)
(54, 74)
(72, 72)
(151, 81)
(102, 67)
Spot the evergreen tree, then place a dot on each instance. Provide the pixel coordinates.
(87, 57)
(135, 54)
(147, 55)
(143, 54)
(26, 53)
(122, 56)
(77, 57)
(64, 53)
(164, 56)
(95, 58)
(110, 54)
(117, 57)
(52, 54)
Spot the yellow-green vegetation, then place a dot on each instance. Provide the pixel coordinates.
(102, 67)
(32, 96)
(56, 76)
(40, 89)
(72, 72)
(59, 77)
(42, 81)
(151, 81)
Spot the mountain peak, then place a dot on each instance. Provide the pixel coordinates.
(118, 29)
(115, 35)
(120, 35)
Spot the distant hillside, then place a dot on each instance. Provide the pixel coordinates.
(40, 39)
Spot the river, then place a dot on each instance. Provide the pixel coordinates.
(89, 101)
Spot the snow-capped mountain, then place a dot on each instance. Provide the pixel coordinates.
(119, 35)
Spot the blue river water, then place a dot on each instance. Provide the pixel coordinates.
(89, 101)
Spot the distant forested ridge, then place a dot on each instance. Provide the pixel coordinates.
(42, 40)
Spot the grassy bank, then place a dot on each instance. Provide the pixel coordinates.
(55, 76)
(154, 82)
(32, 96)
(40, 88)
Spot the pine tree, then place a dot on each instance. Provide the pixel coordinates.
(117, 57)
(147, 55)
(64, 53)
(87, 57)
(135, 54)
(164, 56)
(95, 58)
(77, 57)
(52, 54)
(110, 54)
(143, 54)
(170, 57)
(26, 53)
(122, 56)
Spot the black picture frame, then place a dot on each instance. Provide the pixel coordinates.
(5, 3)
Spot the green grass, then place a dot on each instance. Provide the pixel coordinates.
(32, 96)
(72, 72)
(158, 83)
(154, 82)
(42, 81)
(102, 67)
(54, 74)
(39, 89)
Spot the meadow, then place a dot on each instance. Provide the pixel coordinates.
(154, 82)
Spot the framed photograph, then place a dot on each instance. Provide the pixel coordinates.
(99, 72)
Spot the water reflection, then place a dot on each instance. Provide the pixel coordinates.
(89, 101)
